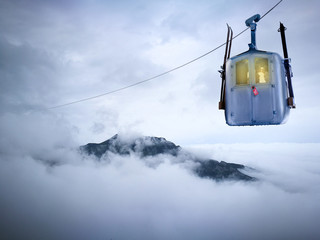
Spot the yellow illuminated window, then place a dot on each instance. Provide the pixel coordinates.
(261, 70)
(242, 72)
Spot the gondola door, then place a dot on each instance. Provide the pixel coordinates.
(239, 102)
(263, 109)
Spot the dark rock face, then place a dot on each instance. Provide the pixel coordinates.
(221, 170)
(147, 146)
(153, 146)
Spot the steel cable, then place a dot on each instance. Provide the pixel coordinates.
(161, 74)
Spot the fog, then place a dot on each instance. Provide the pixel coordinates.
(48, 190)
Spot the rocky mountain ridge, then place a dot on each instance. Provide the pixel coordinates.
(146, 147)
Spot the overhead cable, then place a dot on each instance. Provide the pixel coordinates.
(161, 74)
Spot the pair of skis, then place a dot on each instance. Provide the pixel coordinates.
(222, 72)
(287, 66)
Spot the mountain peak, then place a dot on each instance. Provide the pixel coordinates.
(146, 146)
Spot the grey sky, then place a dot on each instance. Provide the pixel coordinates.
(54, 52)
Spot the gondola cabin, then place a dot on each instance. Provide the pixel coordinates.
(255, 89)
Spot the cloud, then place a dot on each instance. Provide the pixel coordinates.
(98, 127)
(37, 135)
(67, 52)
(125, 198)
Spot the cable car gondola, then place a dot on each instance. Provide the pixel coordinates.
(256, 85)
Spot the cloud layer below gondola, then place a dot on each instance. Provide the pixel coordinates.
(124, 198)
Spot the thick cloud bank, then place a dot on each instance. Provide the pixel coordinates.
(79, 198)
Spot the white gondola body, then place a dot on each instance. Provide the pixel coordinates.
(256, 89)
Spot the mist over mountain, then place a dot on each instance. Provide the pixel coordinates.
(147, 147)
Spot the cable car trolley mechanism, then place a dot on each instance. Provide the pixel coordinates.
(256, 85)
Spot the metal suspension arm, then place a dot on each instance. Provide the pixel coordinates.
(251, 22)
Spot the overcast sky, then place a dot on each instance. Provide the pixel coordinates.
(55, 52)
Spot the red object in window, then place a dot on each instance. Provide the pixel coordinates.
(255, 91)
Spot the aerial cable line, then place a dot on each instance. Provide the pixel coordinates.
(270, 9)
(161, 74)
